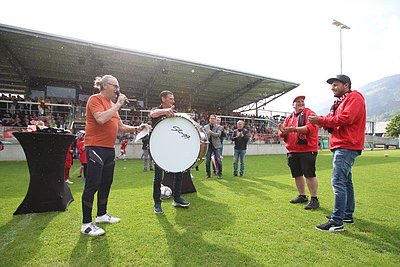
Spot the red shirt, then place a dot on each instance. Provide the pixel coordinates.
(102, 135)
(348, 123)
(80, 144)
(292, 138)
(124, 144)
(68, 159)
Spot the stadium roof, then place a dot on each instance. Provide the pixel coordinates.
(31, 59)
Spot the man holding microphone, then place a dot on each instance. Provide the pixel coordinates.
(102, 124)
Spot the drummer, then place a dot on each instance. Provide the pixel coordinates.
(166, 109)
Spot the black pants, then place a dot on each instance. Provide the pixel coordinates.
(100, 175)
(158, 176)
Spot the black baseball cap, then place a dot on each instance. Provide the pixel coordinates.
(341, 78)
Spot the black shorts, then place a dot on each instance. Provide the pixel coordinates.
(302, 163)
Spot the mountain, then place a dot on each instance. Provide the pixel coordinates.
(382, 97)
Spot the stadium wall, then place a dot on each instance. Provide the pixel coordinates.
(134, 151)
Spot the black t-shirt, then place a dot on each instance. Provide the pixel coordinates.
(145, 142)
(157, 119)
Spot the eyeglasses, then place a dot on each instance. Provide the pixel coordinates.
(115, 86)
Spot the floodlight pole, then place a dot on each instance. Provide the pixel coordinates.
(341, 26)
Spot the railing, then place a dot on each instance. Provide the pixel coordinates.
(387, 142)
(64, 111)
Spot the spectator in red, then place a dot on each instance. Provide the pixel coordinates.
(80, 144)
(122, 154)
(346, 124)
(301, 141)
(68, 165)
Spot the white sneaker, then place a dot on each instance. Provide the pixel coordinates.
(107, 218)
(68, 181)
(91, 229)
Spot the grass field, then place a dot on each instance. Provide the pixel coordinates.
(231, 222)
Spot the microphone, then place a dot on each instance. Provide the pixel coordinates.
(126, 100)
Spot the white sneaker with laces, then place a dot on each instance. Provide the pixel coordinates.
(107, 218)
(91, 229)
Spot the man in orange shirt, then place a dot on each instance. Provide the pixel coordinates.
(102, 124)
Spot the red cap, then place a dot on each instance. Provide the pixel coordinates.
(298, 97)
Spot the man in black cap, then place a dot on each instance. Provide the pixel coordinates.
(346, 124)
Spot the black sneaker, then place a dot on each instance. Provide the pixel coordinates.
(180, 202)
(158, 209)
(330, 226)
(299, 199)
(312, 205)
(345, 220)
(235, 174)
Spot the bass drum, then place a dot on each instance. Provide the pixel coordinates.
(178, 143)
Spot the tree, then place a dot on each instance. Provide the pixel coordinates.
(393, 128)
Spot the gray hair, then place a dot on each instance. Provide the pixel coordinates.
(99, 82)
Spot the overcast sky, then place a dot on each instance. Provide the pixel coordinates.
(291, 40)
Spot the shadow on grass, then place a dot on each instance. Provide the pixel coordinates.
(187, 242)
(19, 238)
(255, 186)
(91, 251)
(382, 238)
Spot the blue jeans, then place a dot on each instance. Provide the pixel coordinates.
(242, 155)
(342, 184)
(217, 156)
(220, 153)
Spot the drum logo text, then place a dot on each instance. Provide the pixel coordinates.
(179, 130)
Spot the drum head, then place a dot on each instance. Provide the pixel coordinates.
(175, 144)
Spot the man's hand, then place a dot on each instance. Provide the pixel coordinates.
(170, 112)
(314, 119)
(121, 99)
(282, 128)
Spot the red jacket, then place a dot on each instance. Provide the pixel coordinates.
(123, 145)
(68, 160)
(292, 138)
(80, 144)
(348, 123)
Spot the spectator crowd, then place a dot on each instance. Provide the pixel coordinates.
(16, 111)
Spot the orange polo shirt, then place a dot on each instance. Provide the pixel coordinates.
(102, 135)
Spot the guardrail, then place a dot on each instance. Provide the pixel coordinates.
(387, 142)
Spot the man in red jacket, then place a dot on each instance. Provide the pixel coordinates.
(301, 142)
(346, 124)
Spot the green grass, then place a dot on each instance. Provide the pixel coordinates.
(231, 222)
